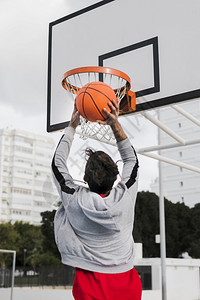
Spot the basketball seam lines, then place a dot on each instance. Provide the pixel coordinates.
(98, 92)
(94, 104)
(83, 105)
(93, 100)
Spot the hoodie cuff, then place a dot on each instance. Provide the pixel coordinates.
(123, 144)
(69, 130)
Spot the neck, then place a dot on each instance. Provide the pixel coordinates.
(105, 194)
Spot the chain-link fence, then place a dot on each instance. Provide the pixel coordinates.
(5, 277)
(55, 276)
(44, 276)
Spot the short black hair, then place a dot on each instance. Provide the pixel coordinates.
(100, 171)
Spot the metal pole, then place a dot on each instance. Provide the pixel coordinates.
(162, 226)
(13, 274)
(186, 114)
(167, 146)
(171, 161)
(162, 126)
(13, 269)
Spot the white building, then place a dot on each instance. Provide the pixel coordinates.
(181, 185)
(26, 187)
(182, 278)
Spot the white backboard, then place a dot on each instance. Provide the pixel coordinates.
(155, 42)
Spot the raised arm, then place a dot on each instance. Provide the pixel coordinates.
(63, 180)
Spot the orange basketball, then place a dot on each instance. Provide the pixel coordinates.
(92, 98)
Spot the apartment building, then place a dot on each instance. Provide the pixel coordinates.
(26, 187)
(181, 185)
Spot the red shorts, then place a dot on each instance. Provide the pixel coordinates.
(100, 286)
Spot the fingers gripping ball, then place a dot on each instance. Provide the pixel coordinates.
(92, 98)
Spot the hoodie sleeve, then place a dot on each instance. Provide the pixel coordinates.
(130, 163)
(63, 180)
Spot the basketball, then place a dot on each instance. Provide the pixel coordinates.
(92, 98)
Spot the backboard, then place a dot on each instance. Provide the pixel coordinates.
(155, 43)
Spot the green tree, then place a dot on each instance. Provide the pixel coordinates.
(146, 224)
(47, 229)
(43, 259)
(8, 241)
(182, 226)
(178, 228)
(30, 239)
(194, 250)
(172, 230)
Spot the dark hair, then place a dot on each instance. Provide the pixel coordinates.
(100, 171)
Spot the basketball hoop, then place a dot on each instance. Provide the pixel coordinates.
(75, 79)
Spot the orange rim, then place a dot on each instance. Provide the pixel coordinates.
(128, 102)
(95, 69)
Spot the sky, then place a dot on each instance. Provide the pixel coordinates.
(23, 67)
(23, 60)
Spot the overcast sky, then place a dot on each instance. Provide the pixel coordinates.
(23, 60)
(23, 65)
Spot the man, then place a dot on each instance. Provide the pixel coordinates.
(93, 227)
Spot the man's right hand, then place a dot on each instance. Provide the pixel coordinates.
(112, 115)
(112, 120)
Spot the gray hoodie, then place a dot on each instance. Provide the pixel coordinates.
(91, 232)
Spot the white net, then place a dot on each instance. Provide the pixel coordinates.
(95, 131)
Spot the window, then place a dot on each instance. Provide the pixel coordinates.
(23, 161)
(19, 138)
(21, 212)
(6, 159)
(40, 164)
(21, 191)
(17, 212)
(6, 180)
(5, 170)
(22, 181)
(24, 171)
(39, 204)
(23, 149)
(40, 154)
(41, 174)
(23, 139)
